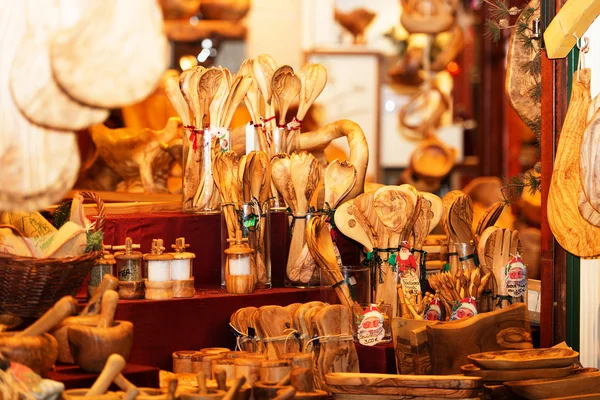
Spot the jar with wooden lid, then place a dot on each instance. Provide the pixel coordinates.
(158, 265)
(182, 361)
(182, 269)
(129, 270)
(103, 265)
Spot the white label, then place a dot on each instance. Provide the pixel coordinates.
(515, 277)
(410, 282)
(370, 328)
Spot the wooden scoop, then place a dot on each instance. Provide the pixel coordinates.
(114, 365)
(340, 178)
(92, 346)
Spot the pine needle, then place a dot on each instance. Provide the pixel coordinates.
(493, 30)
(61, 214)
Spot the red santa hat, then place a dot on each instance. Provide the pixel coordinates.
(405, 245)
(434, 305)
(371, 311)
(469, 303)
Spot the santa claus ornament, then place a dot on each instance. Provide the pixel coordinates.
(515, 278)
(407, 270)
(370, 327)
(433, 311)
(464, 309)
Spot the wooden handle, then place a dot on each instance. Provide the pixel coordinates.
(202, 383)
(112, 368)
(302, 379)
(109, 282)
(63, 308)
(221, 378)
(233, 390)
(123, 383)
(109, 306)
(285, 394)
(172, 388)
(131, 393)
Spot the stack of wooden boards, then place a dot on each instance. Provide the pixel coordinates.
(432, 347)
(315, 327)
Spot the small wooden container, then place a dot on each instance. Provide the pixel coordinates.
(226, 364)
(273, 371)
(184, 288)
(182, 361)
(238, 276)
(248, 368)
(214, 350)
(158, 290)
(240, 284)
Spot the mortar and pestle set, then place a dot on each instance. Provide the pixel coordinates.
(34, 347)
(237, 391)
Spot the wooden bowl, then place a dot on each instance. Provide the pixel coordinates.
(80, 394)
(37, 352)
(60, 334)
(432, 159)
(264, 391)
(91, 346)
(525, 359)
(228, 10)
(495, 375)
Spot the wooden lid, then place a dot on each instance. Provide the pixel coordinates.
(239, 245)
(128, 252)
(183, 353)
(275, 363)
(158, 257)
(253, 361)
(179, 248)
(134, 255)
(197, 356)
(222, 361)
(234, 354)
(210, 357)
(214, 350)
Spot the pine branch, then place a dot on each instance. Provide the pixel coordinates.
(499, 10)
(492, 30)
(61, 214)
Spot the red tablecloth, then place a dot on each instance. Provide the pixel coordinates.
(75, 378)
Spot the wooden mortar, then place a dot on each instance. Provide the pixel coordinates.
(303, 381)
(182, 361)
(89, 317)
(248, 368)
(158, 290)
(267, 391)
(239, 391)
(273, 371)
(92, 346)
(113, 367)
(33, 347)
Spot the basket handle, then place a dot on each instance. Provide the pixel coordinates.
(101, 220)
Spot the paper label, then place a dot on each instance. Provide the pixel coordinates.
(410, 282)
(370, 327)
(515, 277)
(464, 309)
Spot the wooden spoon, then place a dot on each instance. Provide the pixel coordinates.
(209, 85)
(281, 176)
(262, 70)
(490, 217)
(429, 215)
(184, 87)
(193, 83)
(237, 93)
(285, 88)
(340, 178)
(177, 100)
(219, 98)
(347, 222)
(313, 78)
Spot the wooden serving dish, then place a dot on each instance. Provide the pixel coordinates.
(500, 375)
(525, 359)
(575, 386)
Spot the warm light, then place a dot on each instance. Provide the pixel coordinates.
(206, 44)
(203, 56)
(194, 20)
(390, 106)
(187, 62)
(453, 68)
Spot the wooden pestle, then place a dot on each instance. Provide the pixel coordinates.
(202, 383)
(235, 388)
(126, 385)
(285, 380)
(131, 393)
(112, 368)
(172, 388)
(109, 282)
(221, 378)
(284, 394)
(302, 379)
(63, 308)
(109, 307)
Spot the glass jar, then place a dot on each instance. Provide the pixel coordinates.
(356, 277)
(301, 270)
(198, 150)
(275, 141)
(253, 220)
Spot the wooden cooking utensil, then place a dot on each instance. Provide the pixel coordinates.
(506, 375)
(488, 331)
(340, 178)
(285, 88)
(33, 88)
(262, 71)
(236, 95)
(428, 217)
(177, 100)
(39, 164)
(424, 111)
(281, 177)
(197, 108)
(525, 359)
(273, 322)
(92, 346)
(490, 217)
(577, 385)
(574, 233)
(113, 367)
(220, 97)
(347, 221)
(460, 221)
(99, 39)
(313, 78)
(337, 353)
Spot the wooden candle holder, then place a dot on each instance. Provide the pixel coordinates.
(240, 284)
(184, 288)
(158, 290)
(131, 290)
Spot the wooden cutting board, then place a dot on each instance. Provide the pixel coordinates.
(571, 230)
(575, 385)
(508, 375)
(483, 332)
(114, 56)
(403, 381)
(401, 329)
(38, 165)
(346, 396)
(404, 391)
(525, 359)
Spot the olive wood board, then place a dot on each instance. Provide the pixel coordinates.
(576, 385)
(525, 359)
(496, 375)
(581, 396)
(345, 396)
(402, 381)
(405, 391)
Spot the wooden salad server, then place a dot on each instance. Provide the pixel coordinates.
(340, 178)
(490, 217)
(574, 233)
(428, 217)
(348, 221)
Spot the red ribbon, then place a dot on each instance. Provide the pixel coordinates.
(194, 132)
(294, 124)
(269, 119)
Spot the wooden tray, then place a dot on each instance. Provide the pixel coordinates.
(575, 385)
(402, 381)
(525, 359)
(430, 392)
(498, 375)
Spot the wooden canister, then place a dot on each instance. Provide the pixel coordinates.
(182, 361)
(156, 290)
(205, 363)
(303, 360)
(215, 350)
(184, 288)
(272, 371)
(226, 364)
(248, 368)
(235, 354)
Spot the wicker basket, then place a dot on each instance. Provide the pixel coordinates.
(30, 286)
